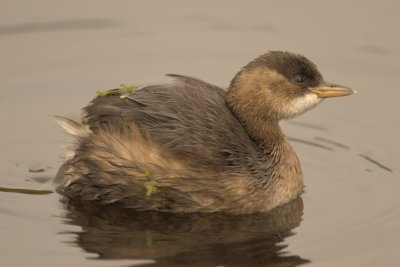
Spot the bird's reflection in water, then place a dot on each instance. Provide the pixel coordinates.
(187, 239)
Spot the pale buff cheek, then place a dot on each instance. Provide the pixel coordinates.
(300, 105)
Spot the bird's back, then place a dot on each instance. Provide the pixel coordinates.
(180, 136)
(188, 120)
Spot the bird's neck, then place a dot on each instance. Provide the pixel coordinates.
(276, 163)
(263, 131)
(272, 145)
(282, 177)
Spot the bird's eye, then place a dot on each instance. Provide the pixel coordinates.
(298, 79)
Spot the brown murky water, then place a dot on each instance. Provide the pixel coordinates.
(55, 54)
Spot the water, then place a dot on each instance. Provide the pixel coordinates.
(55, 55)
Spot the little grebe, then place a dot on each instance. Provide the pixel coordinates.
(191, 146)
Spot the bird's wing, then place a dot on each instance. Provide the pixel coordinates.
(189, 119)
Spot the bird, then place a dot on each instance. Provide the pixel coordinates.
(190, 146)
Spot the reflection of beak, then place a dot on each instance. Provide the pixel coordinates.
(325, 90)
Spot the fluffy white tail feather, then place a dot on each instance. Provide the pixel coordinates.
(72, 127)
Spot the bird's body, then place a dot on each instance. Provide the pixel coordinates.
(190, 146)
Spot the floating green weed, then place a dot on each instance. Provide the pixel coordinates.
(153, 186)
(123, 91)
(128, 87)
(150, 184)
(105, 93)
(167, 201)
(25, 191)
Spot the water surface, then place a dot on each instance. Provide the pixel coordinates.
(55, 55)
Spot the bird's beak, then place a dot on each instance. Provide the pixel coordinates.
(325, 90)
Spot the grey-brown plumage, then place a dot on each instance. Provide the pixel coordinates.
(193, 147)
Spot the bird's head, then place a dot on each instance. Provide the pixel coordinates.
(279, 85)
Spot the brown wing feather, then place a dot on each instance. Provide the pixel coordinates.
(188, 119)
